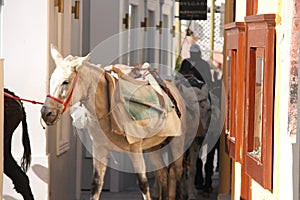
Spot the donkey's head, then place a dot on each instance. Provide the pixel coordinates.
(62, 84)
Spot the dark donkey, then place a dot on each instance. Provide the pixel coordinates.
(14, 113)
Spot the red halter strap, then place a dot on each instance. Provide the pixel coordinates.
(68, 100)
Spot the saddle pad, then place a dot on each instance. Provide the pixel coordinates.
(142, 101)
(138, 111)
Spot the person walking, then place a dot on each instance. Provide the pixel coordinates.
(198, 67)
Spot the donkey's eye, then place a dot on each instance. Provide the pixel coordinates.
(65, 82)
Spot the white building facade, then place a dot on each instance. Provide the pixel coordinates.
(61, 168)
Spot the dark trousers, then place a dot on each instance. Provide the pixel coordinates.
(208, 169)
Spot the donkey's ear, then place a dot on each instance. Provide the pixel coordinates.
(82, 61)
(86, 58)
(57, 57)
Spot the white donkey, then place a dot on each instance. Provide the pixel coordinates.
(76, 80)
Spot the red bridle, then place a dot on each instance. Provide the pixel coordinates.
(68, 100)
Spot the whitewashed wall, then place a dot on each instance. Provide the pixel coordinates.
(283, 160)
(25, 51)
(1, 125)
(283, 154)
(240, 11)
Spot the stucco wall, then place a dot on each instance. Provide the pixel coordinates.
(1, 125)
(282, 163)
(267, 6)
(25, 52)
(240, 11)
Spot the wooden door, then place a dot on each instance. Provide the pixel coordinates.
(65, 34)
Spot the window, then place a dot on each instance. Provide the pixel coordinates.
(235, 87)
(258, 98)
(260, 75)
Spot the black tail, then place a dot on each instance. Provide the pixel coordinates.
(26, 159)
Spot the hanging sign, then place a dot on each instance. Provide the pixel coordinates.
(192, 9)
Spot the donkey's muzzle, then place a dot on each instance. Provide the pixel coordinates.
(49, 115)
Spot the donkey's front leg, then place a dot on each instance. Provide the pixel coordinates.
(137, 158)
(98, 178)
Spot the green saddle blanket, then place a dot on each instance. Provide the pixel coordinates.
(139, 110)
(141, 101)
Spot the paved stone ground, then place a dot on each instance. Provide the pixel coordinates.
(134, 194)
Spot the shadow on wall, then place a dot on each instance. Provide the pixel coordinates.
(7, 197)
(41, 172)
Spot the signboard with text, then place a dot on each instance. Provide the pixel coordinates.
(193, 9)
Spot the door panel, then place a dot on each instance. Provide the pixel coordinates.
(65, 34)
